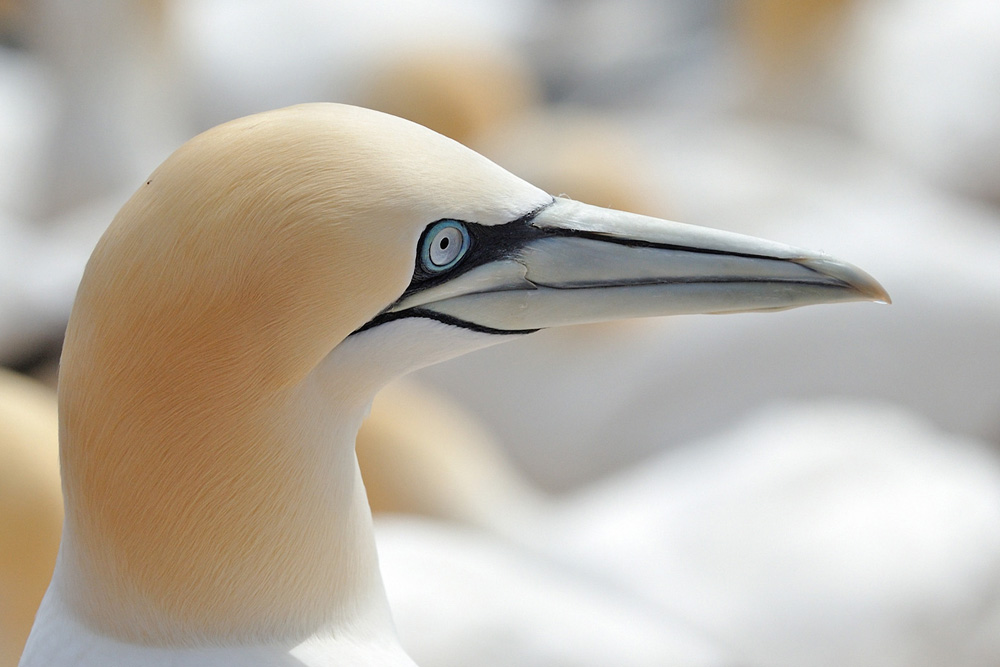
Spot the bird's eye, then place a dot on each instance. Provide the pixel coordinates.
(444, 244)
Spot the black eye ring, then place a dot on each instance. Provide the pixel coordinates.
(445, 243)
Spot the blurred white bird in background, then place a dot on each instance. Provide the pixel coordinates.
(816, 533)
(921, 80)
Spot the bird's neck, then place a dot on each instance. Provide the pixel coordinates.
(196, 516)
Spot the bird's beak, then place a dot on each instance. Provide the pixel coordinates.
(573, 263)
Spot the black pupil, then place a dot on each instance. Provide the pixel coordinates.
(444, 243)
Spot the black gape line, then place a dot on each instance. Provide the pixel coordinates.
(428, 314)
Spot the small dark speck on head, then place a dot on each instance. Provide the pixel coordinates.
(149, 181)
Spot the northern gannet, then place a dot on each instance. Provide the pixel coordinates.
(30, 505)
(468, 597)
(232, 327)
(815, 534)
(462, 91)
(240, 58)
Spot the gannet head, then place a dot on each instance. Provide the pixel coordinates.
(244, 306)
(288, 231)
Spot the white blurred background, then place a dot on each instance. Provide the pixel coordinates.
(813, 487)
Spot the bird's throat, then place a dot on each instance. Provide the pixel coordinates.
(218, 522)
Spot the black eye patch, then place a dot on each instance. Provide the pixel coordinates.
(487, 243)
